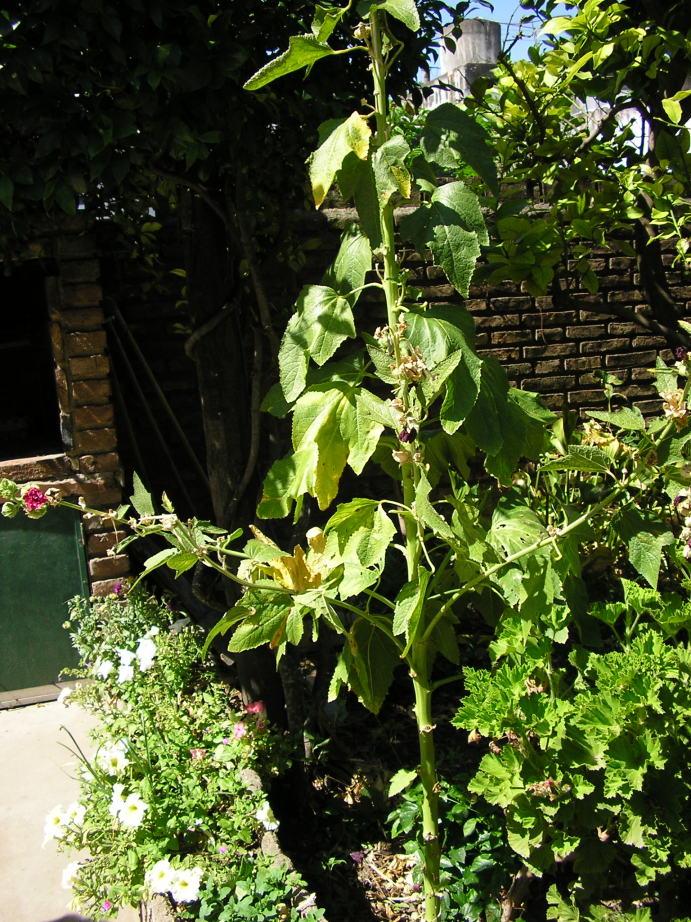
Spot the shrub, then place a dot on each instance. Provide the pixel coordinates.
(173, 800)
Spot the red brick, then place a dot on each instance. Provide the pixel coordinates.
(102, 587)
(514, 372)
(99, 544)
(603, 346)
(623, 329)
(81, 295)
(88, 318)
(89, 393)
(95, 366)
(589, 398)
(579, 364)
(558, 383)
(639, 359)
(654, 342)
(548, 319)
(626, 297)
(586, 331)
(109, 567)
(549, 367)
(92, 343)
(508, 337)
(549, 349)
(622, 262)
(93, 417)
(105, 463)
(94, 440)
(80, 270)
(492, 321)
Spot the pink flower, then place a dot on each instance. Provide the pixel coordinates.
(255, 707)
(34, 499)
(222, 849)
(225, 740)
(239, 730)
(106, 905)
(197, 753)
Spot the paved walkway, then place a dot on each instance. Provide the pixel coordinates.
(36, 774)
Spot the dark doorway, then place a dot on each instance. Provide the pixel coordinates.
(29, 415)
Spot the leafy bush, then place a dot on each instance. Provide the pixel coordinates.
(172, 801)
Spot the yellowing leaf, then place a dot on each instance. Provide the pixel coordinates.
(351, 135)
(294, 572)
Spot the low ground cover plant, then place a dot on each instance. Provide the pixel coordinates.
(174, 799)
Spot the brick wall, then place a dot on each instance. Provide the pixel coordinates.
(558, 352)
(89, 465)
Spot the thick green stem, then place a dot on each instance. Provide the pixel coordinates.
(391, 272)
(420, 670)
(420, 660)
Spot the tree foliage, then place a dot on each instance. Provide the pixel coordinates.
(593, 125)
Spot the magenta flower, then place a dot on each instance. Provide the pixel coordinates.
(106, 905)
(34, 499)
(118, 588)
(222, 849)
(255, 707)
(239, 730)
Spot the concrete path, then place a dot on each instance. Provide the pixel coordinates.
(36, 774)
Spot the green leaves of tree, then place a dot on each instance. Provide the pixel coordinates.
(451, 225)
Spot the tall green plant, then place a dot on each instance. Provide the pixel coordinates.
(406, 391)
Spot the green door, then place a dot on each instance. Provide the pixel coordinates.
(41, 566)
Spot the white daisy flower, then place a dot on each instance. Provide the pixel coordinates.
(112, 758)
(55, 825)
(266, 817)
(69, 874)
(64, 695)
(126, 657)
(160, 876)
(103, 668)
(146, 653)
(125, 673)
(184, 886)
(75, 814)
(132, 811)
(117, 800)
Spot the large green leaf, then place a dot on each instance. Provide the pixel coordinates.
(345, 136)
(370, 660)
(629, 418)
(427, 514)
(141, 498)
(303, 50)
(645, 554)
(356, 181)
(453, 228)
(403, 10)
(514, 526)
(451, 137)
(262, 627)
(322, 321)
(581, 458)
(362, 530)
(390, 172)
(349, 270)
(409, 606)
(440, 333)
